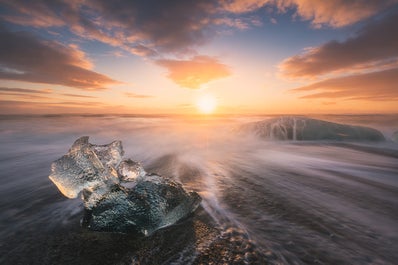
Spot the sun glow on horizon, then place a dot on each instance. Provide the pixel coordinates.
(206, 104)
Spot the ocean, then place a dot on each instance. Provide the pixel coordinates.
(265, 201)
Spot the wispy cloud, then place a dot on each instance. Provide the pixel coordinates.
(23, 57)
(26, 94)
(243, 6)
(338, 13)
(194, 72)
(30, 106)
(376, 44)
(381, 85)
(238, 23)
(77, 96)
(20, 96)
(24, 90)
(134, 95)
(363, 67)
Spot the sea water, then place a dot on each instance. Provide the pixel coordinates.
(308, 202)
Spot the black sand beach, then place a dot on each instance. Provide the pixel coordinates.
(264, 202)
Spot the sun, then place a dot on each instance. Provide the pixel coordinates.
(206, 104)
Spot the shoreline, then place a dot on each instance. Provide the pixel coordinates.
(195, 240)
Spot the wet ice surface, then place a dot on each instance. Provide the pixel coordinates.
(87, 167)
(146, 203)
(288, 202)
(308, 129)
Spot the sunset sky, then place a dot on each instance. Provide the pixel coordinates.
(153, 57)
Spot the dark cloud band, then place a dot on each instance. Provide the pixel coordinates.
(23, 57)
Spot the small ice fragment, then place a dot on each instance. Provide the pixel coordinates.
(109, 154)
(130, 170)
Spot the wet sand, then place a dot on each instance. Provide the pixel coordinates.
(196, 240)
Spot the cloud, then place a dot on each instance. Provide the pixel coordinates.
(240, 23)
(134, 95)
(336, 13)
(23, 90)
(23, 57)
(376, 44)
(373, 86)
(24, 93)
(27, 106)
(77, 96)
(35, 94)
(153, 27)
(195, 72)
(37, 14)
(243, 6)
(363, 67)
(141, 27)
(233, 23)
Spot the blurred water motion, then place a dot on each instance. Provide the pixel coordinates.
(306, 202)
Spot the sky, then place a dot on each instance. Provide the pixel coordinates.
(198, 56)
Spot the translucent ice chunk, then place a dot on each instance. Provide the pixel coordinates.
(119, 196)
(153, 203)
(395, 137)
(302, 128)
(109, 154)
(86, 166)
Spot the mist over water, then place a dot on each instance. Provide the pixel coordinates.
(308, 202)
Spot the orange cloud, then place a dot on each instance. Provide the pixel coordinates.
(242, 6)
(337, 13)
(77, 96)
(375, 86)
(134, 95)
(23, 90)
(23, 57)
(195, 72)
(24, 93)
